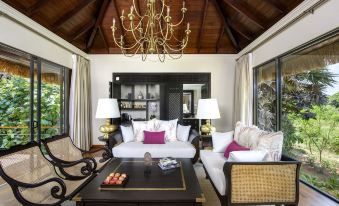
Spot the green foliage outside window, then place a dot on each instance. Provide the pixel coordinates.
(15, 110)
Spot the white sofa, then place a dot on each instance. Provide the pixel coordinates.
(245, 182)
(177, 149)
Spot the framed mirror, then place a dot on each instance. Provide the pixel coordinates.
(188, 103)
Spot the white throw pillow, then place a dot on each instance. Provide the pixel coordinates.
(127, 133)
(139, 127)
(247, 156)
(170, 128)
(247, 136)
(221, 140)
(183, 132)
(272, 142)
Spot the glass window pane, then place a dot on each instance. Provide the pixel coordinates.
(266, 97)
(310, 112)
(14, 98)
(52, 100)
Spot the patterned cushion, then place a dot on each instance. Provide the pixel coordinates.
(139, 127)
(272, 143)
(247, 136)
(170, 128)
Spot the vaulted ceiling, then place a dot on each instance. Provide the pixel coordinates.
(218, 26)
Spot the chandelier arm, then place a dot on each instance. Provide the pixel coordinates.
(158, 16)
(122, 47)
(181, 20)
(136, 10)
(161, 30)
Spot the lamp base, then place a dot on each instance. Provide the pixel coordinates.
(207, 128)
(107, 128)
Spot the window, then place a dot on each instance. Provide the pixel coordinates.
(307, 109)
(266, 97)
(32, 98)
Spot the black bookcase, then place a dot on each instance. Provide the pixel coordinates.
(169, 99)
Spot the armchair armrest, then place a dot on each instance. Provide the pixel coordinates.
(262, 182)
(88, 168)
(106, 155)
(194, 138)
(57, 191)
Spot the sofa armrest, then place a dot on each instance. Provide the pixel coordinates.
(115, 139)
(194, 138)
(262, 182)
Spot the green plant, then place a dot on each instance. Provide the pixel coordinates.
(15, 110)
(318, 127)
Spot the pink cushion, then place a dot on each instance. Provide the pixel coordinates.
(154, 137)
(234, 146)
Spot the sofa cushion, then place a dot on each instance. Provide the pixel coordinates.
(214, 164)
(247, 136)
(139, 127)
(183, 132)
(247, 156)
(234, 146)
(175, 149)
(221, 140)
(154, 137)
(127, 133)
(170, 128)
(272, 143)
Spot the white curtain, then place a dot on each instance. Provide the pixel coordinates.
(80, 103)
(243, 90)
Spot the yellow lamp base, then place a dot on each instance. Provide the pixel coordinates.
(107, 128)
(207, 128)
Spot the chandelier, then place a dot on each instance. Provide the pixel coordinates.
(152, 33)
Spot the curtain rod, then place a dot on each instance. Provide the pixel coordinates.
(295, 20)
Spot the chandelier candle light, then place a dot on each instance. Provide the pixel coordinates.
(153, 33)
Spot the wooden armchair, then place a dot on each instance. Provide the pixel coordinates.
(61, 150)
(28, 178)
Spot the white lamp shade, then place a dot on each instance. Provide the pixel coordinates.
(107, 108)
(208, 109)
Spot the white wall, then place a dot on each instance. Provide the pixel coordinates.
(19, 37)
(220, 66)
(324, 19)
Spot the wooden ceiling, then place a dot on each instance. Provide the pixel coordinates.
(218, 26)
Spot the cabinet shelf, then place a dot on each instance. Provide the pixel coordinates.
(139, 100)
(134, 109)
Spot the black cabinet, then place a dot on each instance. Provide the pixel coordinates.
(170, 97)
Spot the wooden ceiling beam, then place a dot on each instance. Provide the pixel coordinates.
(36, 7)
(221, 34)
(277, 5)
(239, 7)
(103, 38)
(223, 15)
(83, 30)
(201, 32)
(98, 21)
(66, 17)
(240, 30)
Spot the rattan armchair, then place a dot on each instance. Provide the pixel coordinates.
(261, 183)
(28, 178)
(74, 163)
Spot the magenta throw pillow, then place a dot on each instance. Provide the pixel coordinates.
(234, 146)
(154, 137)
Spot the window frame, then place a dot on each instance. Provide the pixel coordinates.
(278, 70)
(35, 116)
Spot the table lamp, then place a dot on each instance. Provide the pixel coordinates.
(208, 109)
(107, 109)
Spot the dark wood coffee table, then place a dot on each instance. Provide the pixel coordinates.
(176, 187)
